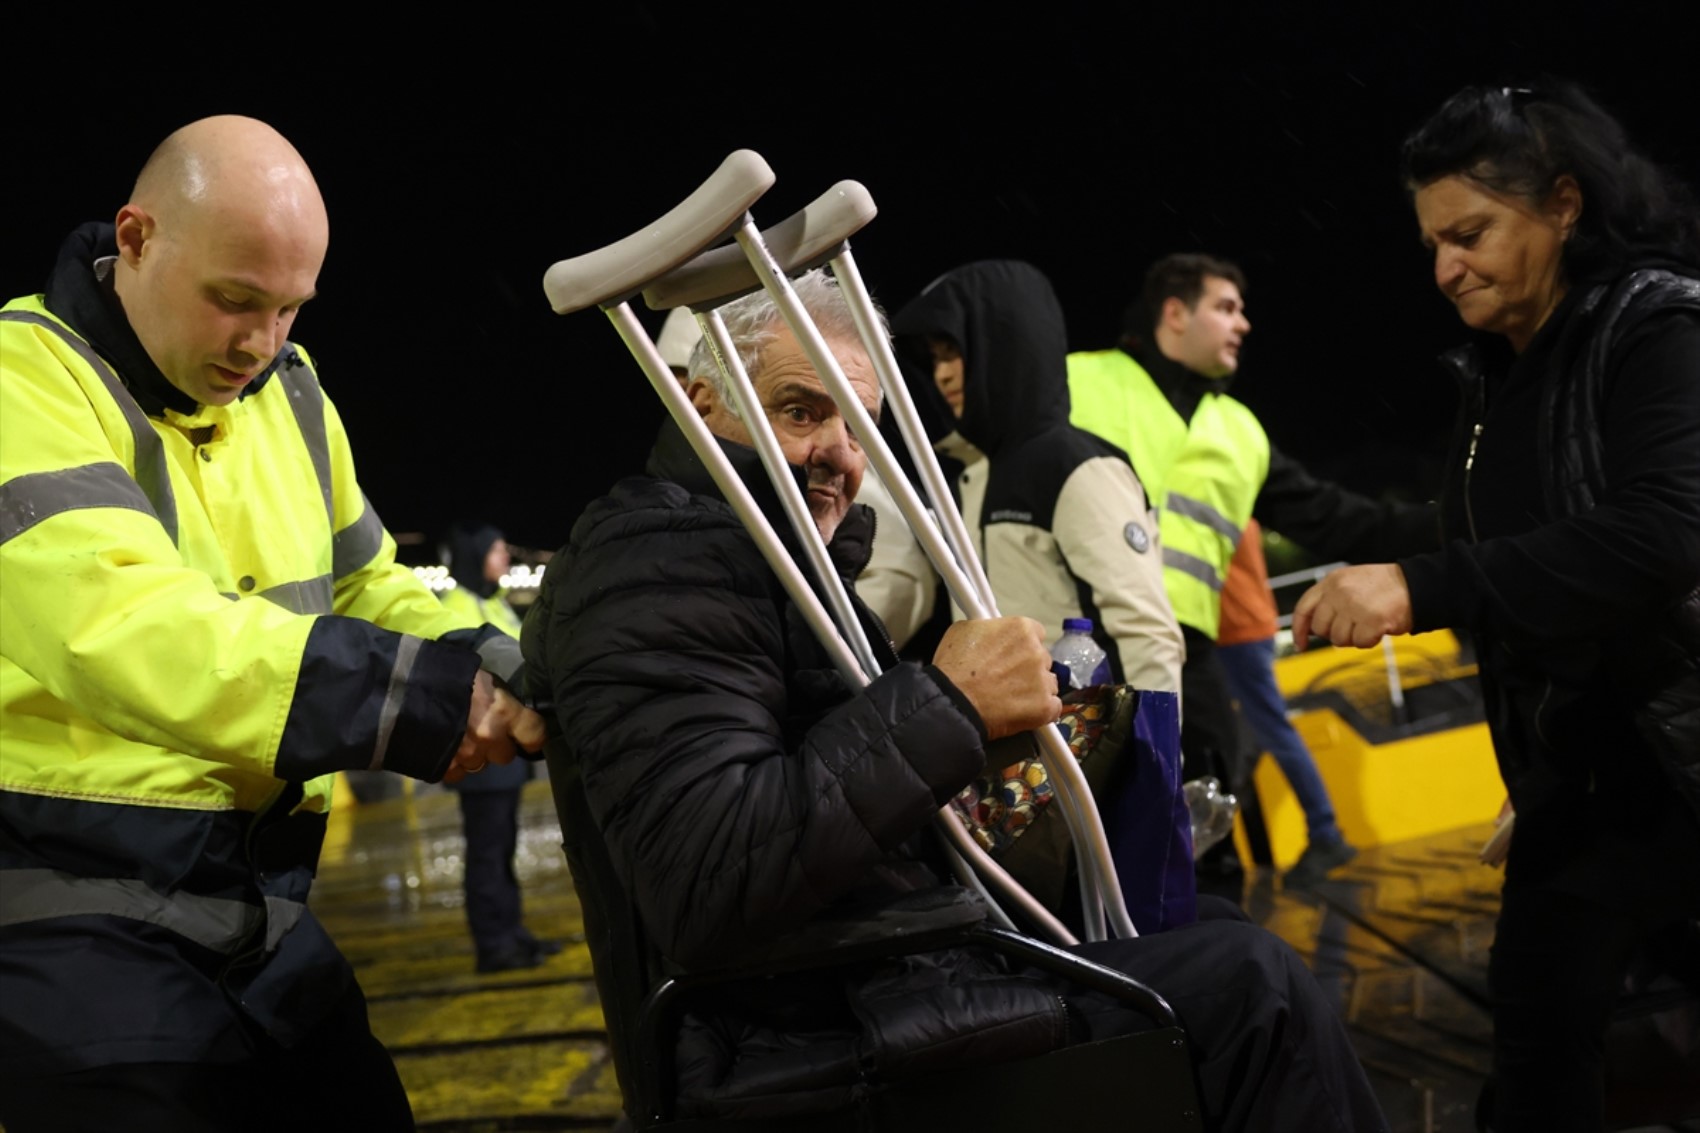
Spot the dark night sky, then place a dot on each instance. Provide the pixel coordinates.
(1087, 145)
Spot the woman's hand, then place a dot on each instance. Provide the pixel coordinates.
(1356, 605)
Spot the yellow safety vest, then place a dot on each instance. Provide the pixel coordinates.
(1204, 475)
(493, 610)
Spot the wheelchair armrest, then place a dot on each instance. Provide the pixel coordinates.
(921, 921)
(1078, 970)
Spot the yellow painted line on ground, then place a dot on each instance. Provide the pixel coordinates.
(489, 1015)
(569, 1079)
(453, 972)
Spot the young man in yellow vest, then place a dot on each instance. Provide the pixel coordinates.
(1161, 396)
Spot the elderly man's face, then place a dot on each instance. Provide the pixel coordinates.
(811, 432)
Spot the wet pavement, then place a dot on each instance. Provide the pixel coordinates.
(1399, 939)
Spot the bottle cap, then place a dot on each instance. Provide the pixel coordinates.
(1077, 625)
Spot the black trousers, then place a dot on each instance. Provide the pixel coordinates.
(1272, 1053)
(337, 1078)
(1563, 946)
(1210, 731)
(494, 913)
(1212, 744)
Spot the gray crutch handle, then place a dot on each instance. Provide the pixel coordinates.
(613, 274)
(804, 240)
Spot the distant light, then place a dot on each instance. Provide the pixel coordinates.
(522, 576)
(435, 577)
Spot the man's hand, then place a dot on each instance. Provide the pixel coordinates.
(495, 722)
(1003, 668)
(1356, 605)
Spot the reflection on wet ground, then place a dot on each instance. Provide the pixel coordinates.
(1399, 938)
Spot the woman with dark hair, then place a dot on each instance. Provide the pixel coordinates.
(1573, 555)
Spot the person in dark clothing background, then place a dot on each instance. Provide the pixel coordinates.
(741, 790)
(489, 803)
(1162, 396)
(1573, 554)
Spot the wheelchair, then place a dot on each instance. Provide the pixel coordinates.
(644, 999)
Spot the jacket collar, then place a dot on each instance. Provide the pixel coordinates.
(1184, 388)
(673, 459)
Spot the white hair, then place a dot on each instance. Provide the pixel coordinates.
(753, 322)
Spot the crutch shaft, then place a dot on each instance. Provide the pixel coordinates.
(914, 434)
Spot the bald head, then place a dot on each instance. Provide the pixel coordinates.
(219, 245)
(228, 163)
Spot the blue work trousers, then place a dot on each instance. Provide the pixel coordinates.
(1250, 668)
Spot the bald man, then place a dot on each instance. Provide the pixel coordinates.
(201, 619)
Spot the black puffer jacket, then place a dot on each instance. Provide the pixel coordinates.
(1574, 554)
(741, 789)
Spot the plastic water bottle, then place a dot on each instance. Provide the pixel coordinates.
(1212, 813)
(1081, 662)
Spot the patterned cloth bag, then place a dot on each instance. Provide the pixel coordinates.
(1127, 742)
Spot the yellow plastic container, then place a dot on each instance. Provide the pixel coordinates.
(1387, 792)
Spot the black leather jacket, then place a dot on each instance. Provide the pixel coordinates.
(741, 790)
(1575, 542)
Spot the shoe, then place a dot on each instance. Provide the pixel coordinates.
(513, 961)
(543, 946)
(1316, 863)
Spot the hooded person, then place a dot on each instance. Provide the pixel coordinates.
(477, 557)
(1061, 521)
(489, 803)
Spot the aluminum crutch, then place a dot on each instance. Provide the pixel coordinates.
(1101, 890)
(719, 276)
(609, 277)
(705, 284)
(715, 277)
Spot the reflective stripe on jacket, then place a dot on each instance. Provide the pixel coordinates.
(168, 741)
(1204, 475)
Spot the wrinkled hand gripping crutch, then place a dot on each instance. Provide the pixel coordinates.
(663, 261)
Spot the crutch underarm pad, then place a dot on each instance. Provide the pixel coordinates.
(804, 240)
(617, 272)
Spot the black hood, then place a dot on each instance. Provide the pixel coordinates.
(468, 544)
(1005, 318)
(90, 307)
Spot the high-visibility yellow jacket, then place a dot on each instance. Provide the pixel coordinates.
(1204, 475)
(493, 610)
(201, 619)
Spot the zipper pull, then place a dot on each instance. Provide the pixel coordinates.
(1469, 462)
